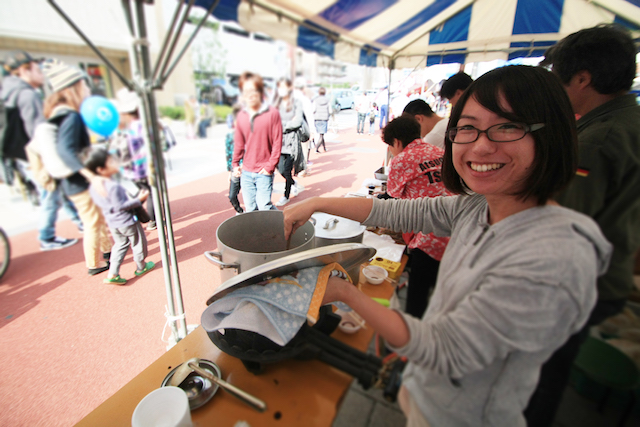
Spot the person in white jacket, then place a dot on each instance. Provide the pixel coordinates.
(518, 276)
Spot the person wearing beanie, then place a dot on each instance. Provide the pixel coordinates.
(22, 99)
(69, 89)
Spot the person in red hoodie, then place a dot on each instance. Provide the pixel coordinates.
(257, 143)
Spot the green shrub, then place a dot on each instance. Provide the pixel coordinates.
(221, 112)
(174, 113)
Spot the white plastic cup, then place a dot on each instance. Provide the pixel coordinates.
(164, 407)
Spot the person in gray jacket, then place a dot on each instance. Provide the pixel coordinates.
(291, 157)
(20, 96)
(519, 274)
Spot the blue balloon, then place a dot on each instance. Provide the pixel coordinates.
(100, 115)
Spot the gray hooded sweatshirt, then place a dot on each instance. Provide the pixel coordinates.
(507, 296)
(17, 92)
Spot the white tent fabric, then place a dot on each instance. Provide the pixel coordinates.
(424, 32)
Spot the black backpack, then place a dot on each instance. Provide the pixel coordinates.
(13, 136)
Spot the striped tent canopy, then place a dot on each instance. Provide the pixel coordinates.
(410, 33)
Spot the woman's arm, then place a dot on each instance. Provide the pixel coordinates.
(388, 323)
(298, 214)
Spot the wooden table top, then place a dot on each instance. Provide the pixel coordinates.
(296, 392)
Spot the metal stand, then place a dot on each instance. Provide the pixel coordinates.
(145, 81)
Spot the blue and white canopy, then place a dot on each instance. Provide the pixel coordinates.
(424, 32)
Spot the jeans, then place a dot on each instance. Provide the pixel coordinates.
(371, 131)
(256, 191)
(287, 168)
(361, 118)
(383, 116)
(234, 190)
(50, 203)
(123, 237)
(202, 127)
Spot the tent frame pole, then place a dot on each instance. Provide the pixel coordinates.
(143, 84)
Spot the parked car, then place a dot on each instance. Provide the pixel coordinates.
(345, 98)
(220, 91)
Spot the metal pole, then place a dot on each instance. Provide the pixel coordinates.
(158, 180)
(176, 36)
(165, 42)
(64, 16)
(186, 46)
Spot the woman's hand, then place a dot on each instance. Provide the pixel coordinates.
(296, 215)
(335, 290)
(388, 323)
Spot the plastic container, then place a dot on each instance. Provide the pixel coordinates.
(375, 274)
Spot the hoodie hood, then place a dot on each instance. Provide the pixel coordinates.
(322, 100)
(11, 87)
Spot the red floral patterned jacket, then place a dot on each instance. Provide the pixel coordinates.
(415, 173)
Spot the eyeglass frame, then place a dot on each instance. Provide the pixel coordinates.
(528, 129)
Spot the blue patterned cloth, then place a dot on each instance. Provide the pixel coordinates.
(276, 309)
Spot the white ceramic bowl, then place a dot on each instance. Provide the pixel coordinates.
(375, 274)
(348, 325)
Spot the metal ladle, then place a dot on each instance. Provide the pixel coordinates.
(193, 365)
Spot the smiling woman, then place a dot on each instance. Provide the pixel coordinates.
(518, 276)
(533, 105)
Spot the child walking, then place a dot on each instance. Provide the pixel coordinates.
(117, 208)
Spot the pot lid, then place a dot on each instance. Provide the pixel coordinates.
(336, 227)
(345, 254)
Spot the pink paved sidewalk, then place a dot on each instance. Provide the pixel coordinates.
(69, 341)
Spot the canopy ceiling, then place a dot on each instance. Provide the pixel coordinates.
(424, 32)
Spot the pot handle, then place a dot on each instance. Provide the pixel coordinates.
(331, 223)
(216, 258)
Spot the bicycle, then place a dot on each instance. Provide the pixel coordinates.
(5, 252)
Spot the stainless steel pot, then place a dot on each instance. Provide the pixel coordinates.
(253, 238)
(331, 230)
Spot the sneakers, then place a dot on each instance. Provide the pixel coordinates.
(147, 267)
(57, 243)
(294, 190)
(152, 225)
(282, 201)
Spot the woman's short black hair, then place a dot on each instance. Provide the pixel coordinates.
(405, 128)
(94, 157)
(534, 95)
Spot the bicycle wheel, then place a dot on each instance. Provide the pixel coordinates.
(5, 252)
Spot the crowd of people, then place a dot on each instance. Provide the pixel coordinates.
(521, 211)
(45, 143)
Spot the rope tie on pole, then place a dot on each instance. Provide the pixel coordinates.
(170, 319)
